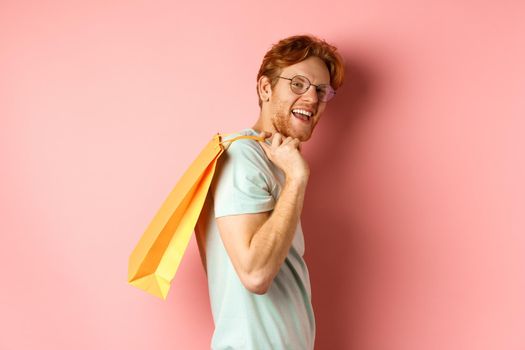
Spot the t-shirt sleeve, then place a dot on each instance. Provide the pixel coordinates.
(242, 183)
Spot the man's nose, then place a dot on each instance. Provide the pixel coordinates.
(311, 94)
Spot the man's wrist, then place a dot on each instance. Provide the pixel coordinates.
(301, 181)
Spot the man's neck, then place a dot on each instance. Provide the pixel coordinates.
(264, 123)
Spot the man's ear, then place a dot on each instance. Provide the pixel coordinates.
(264, 87)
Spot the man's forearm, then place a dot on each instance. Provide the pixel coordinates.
(271, 243)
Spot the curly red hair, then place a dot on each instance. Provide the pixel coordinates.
(297, 48)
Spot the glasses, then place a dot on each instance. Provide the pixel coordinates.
(300, 85)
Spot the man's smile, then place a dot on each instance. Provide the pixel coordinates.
(302, 114)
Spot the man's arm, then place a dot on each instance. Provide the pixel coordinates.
(257, 244)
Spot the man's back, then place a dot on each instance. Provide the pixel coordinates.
(282, 318)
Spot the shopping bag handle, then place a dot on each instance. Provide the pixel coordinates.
(222, 142)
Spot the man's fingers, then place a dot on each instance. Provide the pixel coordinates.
(276, 141)
(287, 140)
(265, 134)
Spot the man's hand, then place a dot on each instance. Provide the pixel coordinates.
(286, 155)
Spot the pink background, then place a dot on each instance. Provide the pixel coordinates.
(414, 216)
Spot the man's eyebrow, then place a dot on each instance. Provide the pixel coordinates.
(294, 73)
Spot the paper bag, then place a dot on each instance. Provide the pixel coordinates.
(156, 257)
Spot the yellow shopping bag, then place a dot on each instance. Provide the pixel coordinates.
(156, 257)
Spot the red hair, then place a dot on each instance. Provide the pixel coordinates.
(297, 48)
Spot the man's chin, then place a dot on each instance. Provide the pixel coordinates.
(303, 137)
(291, 130)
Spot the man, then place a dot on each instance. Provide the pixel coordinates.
(249, 233)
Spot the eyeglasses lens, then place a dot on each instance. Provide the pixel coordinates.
(300, 85)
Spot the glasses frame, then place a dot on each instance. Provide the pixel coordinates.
(308, 87)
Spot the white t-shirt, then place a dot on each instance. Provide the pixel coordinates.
(246, 181)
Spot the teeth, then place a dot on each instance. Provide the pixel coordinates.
(302, 111)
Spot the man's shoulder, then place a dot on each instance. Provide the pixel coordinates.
(243, 147)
